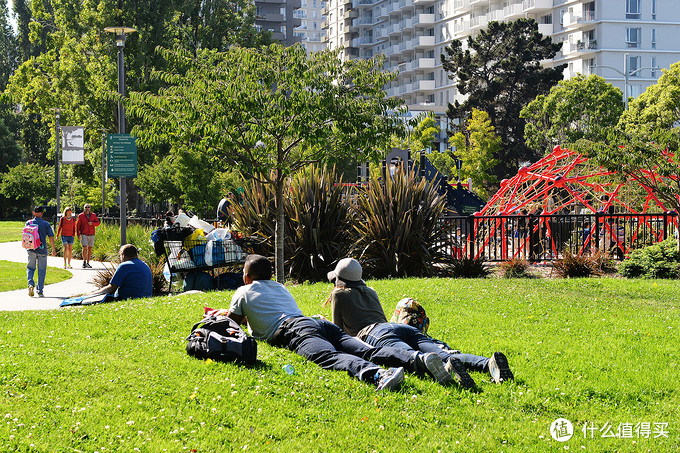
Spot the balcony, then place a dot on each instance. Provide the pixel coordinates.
(513, 11)
(392, 29)
(537, 6)
(423, 20)
(423, 2)
(424, 63)
(363, 3)
(363, 42)
(478, 22)
(575, 20)
(462, 6)
(545, 29)
(351, 14)
(406, 24)
(423, 41)
(425, 85)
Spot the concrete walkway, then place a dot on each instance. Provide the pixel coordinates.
(55, 293)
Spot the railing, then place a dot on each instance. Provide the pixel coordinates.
(544, 238)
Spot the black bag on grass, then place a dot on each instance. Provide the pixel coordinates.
(221, 339)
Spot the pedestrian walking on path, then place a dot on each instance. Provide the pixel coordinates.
(37, 257)
(85, 227)
(19, 300)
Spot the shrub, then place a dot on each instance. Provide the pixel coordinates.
(103, 277)
(397, 227)
(575, 266)
(319, 224)
(468, 268)
(515, 268)
(655, 261)
(316, 222)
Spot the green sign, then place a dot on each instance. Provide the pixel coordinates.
(121, 151)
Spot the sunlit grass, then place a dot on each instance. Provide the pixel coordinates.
(116, 377)
(10, 230)
(13, 275)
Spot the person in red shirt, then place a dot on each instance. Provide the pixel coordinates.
(85, 225)
(67, 230)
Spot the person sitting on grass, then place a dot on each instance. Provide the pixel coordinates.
(131, 280)
(273, 315)
(357, 310)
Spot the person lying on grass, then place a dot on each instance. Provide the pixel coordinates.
(132, 278)
(357, 310)
(273, 315)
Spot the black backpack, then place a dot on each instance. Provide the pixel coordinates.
(221, 339)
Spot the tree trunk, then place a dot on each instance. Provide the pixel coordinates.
(279, 235)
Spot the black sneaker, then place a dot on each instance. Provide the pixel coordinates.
(434, 366)
(459, 373)
(84, 265)
(389, 379)
(88, 265)
(499, 368)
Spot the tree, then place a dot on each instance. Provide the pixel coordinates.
(646, 140)
(32, 183)
(581, 107)
(421, 137)
(500, 71)
(475, 146)
(269, 112)
(69, 62)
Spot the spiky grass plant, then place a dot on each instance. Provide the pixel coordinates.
(397, 228)
(578, 266)
(515, 268)
(469, 268)
(319, 223)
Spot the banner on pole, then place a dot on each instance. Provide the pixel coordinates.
(73, 144)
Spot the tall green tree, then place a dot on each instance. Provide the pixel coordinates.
(269, 112)
(69, 62)
(500, 72)
(579, 108)
(646, 140)
(476, 146)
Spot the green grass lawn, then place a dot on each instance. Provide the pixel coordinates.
(10, 230)
(13, 275)
(116, 377)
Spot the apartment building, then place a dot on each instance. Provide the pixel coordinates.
(278, 16)
(310, 31)
(605, 37)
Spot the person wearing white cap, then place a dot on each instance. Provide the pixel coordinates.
(273, 315)
(357, 310)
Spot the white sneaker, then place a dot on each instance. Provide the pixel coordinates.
(435, 368)
(30, 291)
(389, 379)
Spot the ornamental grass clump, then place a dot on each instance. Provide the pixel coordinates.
(578, 266)
(515, 268)
(397, 228)
(316, 229)
(469, 268)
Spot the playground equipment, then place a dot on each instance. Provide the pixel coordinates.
(565, 184)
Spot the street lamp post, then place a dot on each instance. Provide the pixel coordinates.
(57, 176)
(120, 33)
(625, 74)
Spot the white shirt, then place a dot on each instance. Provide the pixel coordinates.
(266, 304)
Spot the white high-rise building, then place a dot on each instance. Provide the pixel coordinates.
(604, 37)
(310, 31)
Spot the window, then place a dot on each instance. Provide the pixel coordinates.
(653, 65)
(653, 9)
(653, 38)
(562, 13)
(634, 65)
(633, 37)
(632, 9)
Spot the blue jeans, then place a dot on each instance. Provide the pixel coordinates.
(325, 344)
(410, 338)
(39, 261)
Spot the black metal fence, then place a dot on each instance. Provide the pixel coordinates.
(538, 238)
